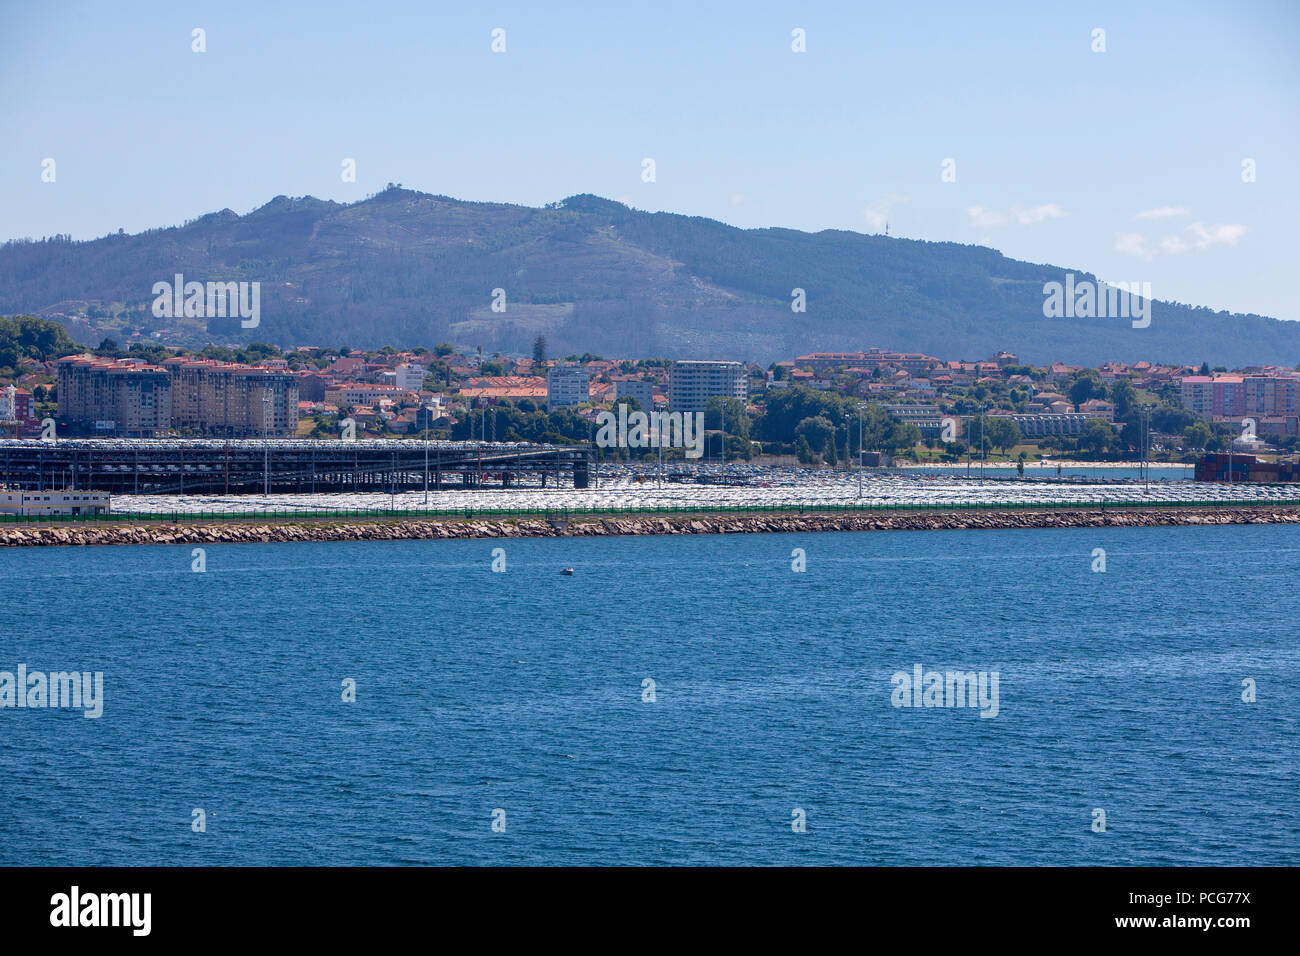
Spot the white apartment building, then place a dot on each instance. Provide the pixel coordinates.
(567, 385)
(409, 376)
(643, 393)
(692, 383)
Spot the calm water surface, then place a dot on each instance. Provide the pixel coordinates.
(523, 691)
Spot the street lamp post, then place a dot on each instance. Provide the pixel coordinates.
(848, 437)
(983, 418)
(266, 441)
(859, 451)
(1146, 444)
(1229, 457)
(722, 421)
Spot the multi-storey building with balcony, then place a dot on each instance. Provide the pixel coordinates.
(643, 393)
(118, 397)
(132, 399)
(1275, 394)
(567, 385)
(1213, 395)
(692, 383)
(227, 399)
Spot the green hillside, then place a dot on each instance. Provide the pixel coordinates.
(408, 268)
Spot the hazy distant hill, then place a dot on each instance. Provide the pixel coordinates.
(407, 268)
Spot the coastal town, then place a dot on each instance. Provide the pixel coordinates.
(543, 437)
(820, 407)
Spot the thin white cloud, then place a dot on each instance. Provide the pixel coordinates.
(1228, 234)
(1195, 237)
(1198, 237)
(1037, 214)
(1132, 244)
(1162, 212)
(982, 218)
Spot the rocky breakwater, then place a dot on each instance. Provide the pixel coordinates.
(394, 530)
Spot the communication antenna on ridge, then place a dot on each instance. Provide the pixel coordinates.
(886, 228)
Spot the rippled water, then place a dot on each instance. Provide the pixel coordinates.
(523, 691)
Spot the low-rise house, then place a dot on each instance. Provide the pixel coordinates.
(53, 502)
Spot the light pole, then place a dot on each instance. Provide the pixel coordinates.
(969, 443)
(659, 440)
(722, 421)
(1229, 457)
(859, 451)
(848, 423)
(266, 441)
(1146, 443)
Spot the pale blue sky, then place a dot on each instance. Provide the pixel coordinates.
(1059, 151)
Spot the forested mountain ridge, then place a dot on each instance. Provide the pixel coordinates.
(407, 268)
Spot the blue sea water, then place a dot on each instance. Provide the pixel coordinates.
(522, 691)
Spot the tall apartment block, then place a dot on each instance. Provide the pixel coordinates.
(691, 384)
(131, 399)
(1217, 396)
(643, 393)
(567, 385)
(410, 376)
(227, 399)
(1272, 394)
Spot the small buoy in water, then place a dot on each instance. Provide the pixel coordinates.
(567, 571)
